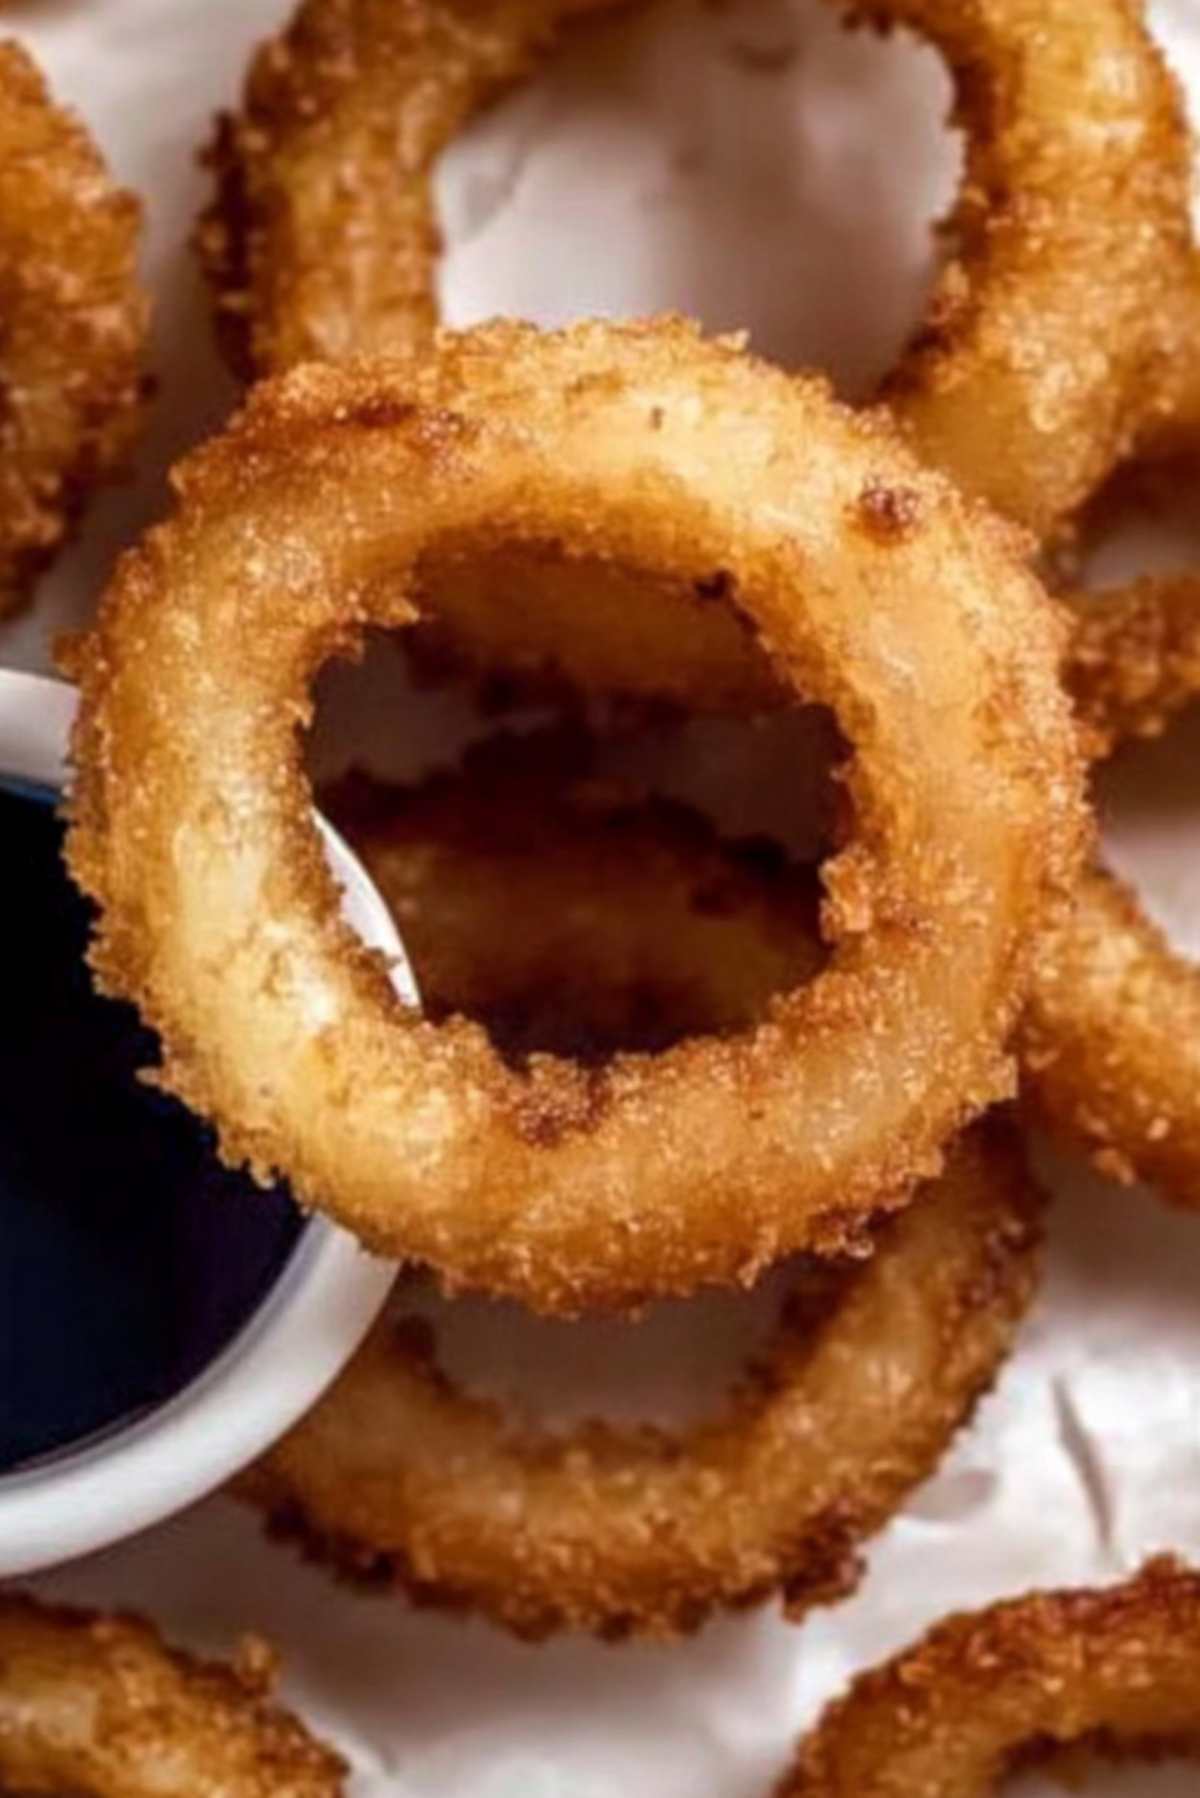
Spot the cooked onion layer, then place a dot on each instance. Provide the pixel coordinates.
(875, 590)
(986, 1692)
(1045, 346)
(99, 1707)
(73, 323)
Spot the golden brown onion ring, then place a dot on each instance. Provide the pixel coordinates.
(100, 1707)
(1052, 337)
(398, 1477)
(632, 912)
(1047, 340)
(73, 323)
(876, 590)
(986, 1692)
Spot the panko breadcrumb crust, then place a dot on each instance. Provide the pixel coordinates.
(631, 912)
(985, 1692)
(99, 1706)
(73, 323)
(571, 1187)
(1046, 345)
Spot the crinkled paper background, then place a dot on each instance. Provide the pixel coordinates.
(757, 167)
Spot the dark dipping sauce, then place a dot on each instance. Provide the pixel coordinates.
(128, 1256)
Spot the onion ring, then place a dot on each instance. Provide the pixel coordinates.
(1047, 342)
(321, 241)
(987, 1692)
(74, 323)
(398, 1478)
(885, 596)
(99, 1706)
(631, 920)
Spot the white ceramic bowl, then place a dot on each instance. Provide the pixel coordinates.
(308, 1325)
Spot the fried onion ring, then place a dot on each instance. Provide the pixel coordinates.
(321, 241)
(399, 1478)
(876, 590)
(99, 1706)
(1046, 343)
(1051, 340)
(988, 1692)
(73, 323)
(1110, 1042)
(633, 911)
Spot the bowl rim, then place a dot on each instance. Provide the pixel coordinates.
(313, 1317)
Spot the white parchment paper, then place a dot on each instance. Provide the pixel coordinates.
(752, 165)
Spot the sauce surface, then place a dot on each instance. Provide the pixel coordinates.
(129, 1257)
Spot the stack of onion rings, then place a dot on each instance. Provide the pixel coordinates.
(874, 588)
(1045, 348)
(73, 323)
(99, 1707)
(986, 1693)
